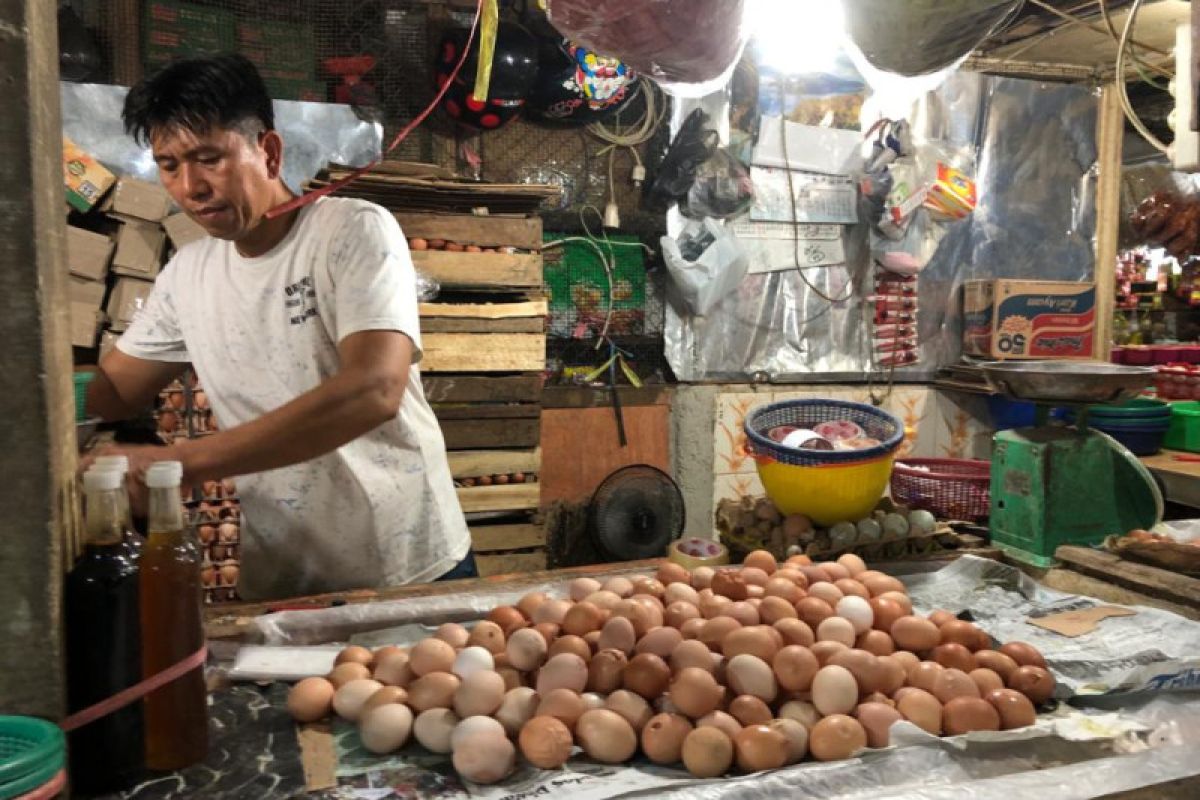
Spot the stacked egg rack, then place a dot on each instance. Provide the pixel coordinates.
(484, 340)
(213, 511)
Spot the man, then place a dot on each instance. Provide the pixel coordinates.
(304, 332)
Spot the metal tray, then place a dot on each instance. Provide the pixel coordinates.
(1068, 382)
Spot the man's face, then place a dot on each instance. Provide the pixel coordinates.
(222, 178)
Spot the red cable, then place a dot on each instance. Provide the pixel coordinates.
(135, 692)
(310, 197)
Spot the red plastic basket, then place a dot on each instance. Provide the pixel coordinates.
(949, 488)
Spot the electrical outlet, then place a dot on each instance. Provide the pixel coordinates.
(1185, 150)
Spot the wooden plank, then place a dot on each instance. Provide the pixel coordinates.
(1110, 133)
(505, 411)
(475, 434)
(489, 538)
(474, 463)
(580, 447)
(1181, 479)
(479, 389)
(538, 307)
(518, 325)
(480, 270)
(318, 756)
(512, 564)
(484, 352)
(1142, 578)
(510, 497)
(485, 231)
(587, 397)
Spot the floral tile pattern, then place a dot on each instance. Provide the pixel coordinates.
(729, 439)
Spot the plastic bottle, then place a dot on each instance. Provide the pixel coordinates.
(103, 643)
(133, 540)
(172, 627)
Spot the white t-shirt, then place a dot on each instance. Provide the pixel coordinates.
(259, 332)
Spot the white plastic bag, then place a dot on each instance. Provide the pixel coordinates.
(707, 263)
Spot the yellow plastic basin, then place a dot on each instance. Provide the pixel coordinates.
(829, 493)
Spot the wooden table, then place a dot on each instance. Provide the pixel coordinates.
(1181, 479)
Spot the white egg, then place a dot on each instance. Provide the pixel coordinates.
(349, 699)
(385, 728)
(857, 612)
(475, 725)
(471, 660)
(834, 690)
(434, 727)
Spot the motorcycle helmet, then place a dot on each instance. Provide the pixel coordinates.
(577, 86)
(514, 70)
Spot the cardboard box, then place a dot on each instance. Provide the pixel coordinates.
(83, 291)
(1016, 319)
(88, 254)
(85, 179)
(85, 324)
(141, 199)
(127, 298)
(139, 249)
(182, 229)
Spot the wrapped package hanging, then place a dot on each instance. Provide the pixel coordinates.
(693, 145)
(686, 46)
(722, 188)
(707, 264)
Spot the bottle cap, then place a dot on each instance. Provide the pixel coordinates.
(112, 461)
(164, 475)
(103, 480)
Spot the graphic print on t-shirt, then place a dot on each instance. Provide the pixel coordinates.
(301, 300)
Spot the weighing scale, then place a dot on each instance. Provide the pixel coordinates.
(1054, 485)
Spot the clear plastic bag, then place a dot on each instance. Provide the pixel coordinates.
(427, 288)
(706, 263)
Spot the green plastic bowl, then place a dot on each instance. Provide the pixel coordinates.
(1138, 408)
(32, 752)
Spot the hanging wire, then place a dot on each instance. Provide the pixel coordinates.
(1122, 89)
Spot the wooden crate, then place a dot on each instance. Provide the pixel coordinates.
(484, 352)
(509, 497)
(466, 388)
(480, 270)
(477, 463)
(510, 563)
(496, 538)
(523, 233)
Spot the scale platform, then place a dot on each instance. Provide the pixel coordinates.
(1054, 485)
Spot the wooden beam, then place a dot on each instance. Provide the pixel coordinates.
(480, 270)
(489, 538)
(510, 497)
(510, 564)
(502, 411)
(480, 389)
(1110, 132)
(527, 308)
(1152, 581)
(474, 463)
(517, 325)
(475, 434)
(484, 352)
(486, 231)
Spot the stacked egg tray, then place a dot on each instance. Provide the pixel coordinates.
(213, 512)
(891, 532)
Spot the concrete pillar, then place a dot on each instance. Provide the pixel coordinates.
(37, 439)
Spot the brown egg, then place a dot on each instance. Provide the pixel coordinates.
(582, 618)
(678, 613)
(388, 651)
(434, 655)
(619, 585)
(702, 577)
(899, 598)
(350, 697)
(951, 683)
(545, 742)
(760, 747)
(1014, 708)
(915, 633)
(761, 559)
(649, 586)
(783, 589)
(834, 690)
(966, 714)
(207, 534)
(877, 719)
(350, 671)
(986, 680)
(606, 736)
(660, 641)
(509, 618)
(862, 665)
(1026, 655)
(680, 592)
(487, 635)
(563, 671)
(563, 704)
(713, 606)
(795, 631)
(878, 585)
(834, 570)
(647, 675)
(708, 752)
(692, 653)
(618, 634)
(529, 603)
(722, 721)
(695, 692)
(890, 674)
(878, 697)
(836, 629)
(747, 674)
(957, 631)
(940, 617)
(606, 669)
(755, 640)
(795, 666)
(453, 634)
(484, 757)
(997, 662)
(750, 710)
(663, 737)
(876, 642)
(921, 709)
(552, 611)
(924, 674)
(728, 582)
(1035, 683)
(850, 587)
(653, 605)
(581, 588)
(836, 737)
(572, 645)
(715, 630)
(744, 612)
(906, 659)
(311, 699)
(953, 655)
(852, 564)
(512, 677)
(603, 599)
(826, 650)
(670, 572)
(691, 628)
(479, 694)
(827, 592)
(384, 696)
(526, 649)
(433, 690)
(637, 614)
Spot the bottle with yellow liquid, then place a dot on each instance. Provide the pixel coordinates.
(133, 540)
(172, 627)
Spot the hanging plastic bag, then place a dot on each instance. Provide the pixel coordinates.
(722, 188)
(693, 145)
(707, 264)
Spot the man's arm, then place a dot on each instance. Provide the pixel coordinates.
(365, 393)
(125, 385)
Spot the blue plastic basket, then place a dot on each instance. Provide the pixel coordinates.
(875, 422)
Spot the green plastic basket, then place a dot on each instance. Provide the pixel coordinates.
(82, 379)
(32, 752)
(1184, 433)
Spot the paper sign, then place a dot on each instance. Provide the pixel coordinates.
(818, 198)
(1081, 621)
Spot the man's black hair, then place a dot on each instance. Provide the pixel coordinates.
(198, 94)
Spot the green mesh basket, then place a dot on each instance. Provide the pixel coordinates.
(32, 752)
(82, 379)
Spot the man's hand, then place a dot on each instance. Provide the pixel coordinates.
(140, 458)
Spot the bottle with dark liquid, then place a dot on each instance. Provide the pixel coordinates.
(103, 643)
(172, 627)
(133, 539)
